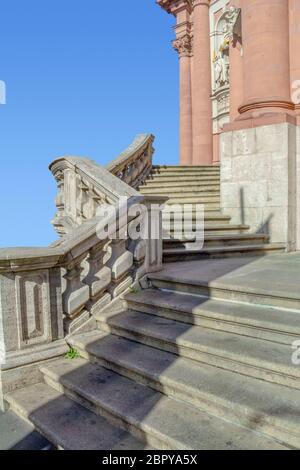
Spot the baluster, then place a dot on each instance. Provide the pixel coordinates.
(139, 249)
(57, 222)
(76, 295)
(99, 277)
(121, 262)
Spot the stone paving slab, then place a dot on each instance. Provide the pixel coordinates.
(278, 273)
(16, 434)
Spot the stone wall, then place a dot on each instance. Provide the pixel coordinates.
(260, 177)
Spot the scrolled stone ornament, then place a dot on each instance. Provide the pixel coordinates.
(183, 45)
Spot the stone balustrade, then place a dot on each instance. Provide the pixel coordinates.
(49, 293)
(135, 163)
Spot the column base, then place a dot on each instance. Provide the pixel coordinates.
(260, 179)
(266, 119)
(257, 108)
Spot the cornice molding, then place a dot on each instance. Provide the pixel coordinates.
(175, 6)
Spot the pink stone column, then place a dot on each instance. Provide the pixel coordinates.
(294, 9)
(182, 10)
(265, 26)
(183, 46)
(201, 86)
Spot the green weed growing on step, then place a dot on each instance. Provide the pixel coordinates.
(132, 290)
(72, 354)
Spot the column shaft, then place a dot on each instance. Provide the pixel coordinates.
(186, 132)
(201, 86)
(265, 26)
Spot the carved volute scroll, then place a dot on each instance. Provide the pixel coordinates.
(135, 163)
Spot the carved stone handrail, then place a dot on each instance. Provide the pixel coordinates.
(48, 293)
(135, 163)
(83, 187)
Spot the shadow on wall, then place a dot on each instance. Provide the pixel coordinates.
(264, 227)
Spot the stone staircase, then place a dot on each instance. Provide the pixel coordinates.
(198, 357)
(201, 359)
(201, 185)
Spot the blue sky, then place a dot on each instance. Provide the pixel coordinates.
(83, 78)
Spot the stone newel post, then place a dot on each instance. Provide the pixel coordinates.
(202, 105)
(266, 57)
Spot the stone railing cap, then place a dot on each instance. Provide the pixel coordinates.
(71, 246)
(140, 142)
(100, 176)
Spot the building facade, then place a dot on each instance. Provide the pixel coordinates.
(240, 105)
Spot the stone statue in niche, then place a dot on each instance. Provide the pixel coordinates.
(225, 32)
(221, 64)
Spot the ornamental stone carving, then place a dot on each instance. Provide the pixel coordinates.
(221, 65)
(228, 28)
(231, 16)
(183, 45)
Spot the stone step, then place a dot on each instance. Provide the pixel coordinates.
(17, 434)
(209, 203)
(182, 194)
(219, 241)
(192, 254)
(192, 198)
(208, 207)
(67, 424)
(166, 423)
(261, 322)
(213, 196)
(211, 212)
(181, 176)
(197, 195)
(209, 216)
(185, 172)
(169, 190)
(203, 181)
(245, 280)
(157, 179)
(255, 404)
(209, 228)
(186, 167)
(252, 357)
